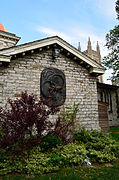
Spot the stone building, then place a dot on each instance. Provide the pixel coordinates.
(108, 95)
(53, 66)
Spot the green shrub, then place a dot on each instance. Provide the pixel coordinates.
(100, 146)
(68, 155)
(69, 114)
(81, 136)
(5, 167)
(51, 156)
(3, 155)
(39, 162)
(50, 142)
(86, 136)
(73, 154)
(12, 164)
(56, 159)
(65, 124)
(100, 156)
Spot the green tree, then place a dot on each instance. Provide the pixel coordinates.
(112, 43)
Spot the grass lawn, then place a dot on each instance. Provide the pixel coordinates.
(86, 173)
(115, 133)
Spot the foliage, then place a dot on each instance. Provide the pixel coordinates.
(117, 8)
(111, 61)
(49, 142)
(56, 160)
(81, 135)
(53, 151)
(23, 116)
(3, 155)
(69, 114)
(73, 154)
(100, 156)
(62, 130)
(69, 155)
(12, 164)
(28, 116)
(100, 146)
(16, 136)
(112, 43)
(39, 162)
(98, 172)
(64, 124)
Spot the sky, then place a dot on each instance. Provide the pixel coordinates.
(72, 20)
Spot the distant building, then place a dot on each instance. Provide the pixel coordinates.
(107, 94)
(95, 55)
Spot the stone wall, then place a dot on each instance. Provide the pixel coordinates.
(110, 94)
(113, 115)
(24, 74)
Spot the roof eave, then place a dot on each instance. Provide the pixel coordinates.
(95, 67)
(4, 58)
(98, 71)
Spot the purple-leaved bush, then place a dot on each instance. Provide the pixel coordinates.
(18, 121)
(22, 115)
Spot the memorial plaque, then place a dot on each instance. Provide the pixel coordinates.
(53, 86)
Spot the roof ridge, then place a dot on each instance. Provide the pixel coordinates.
(49, 41)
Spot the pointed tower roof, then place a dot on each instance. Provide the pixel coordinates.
(89, 41)
(98, 48)
(2, 28)
(79, 46)
(89, 47)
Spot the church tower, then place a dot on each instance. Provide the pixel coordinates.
(7, 39)
(95, 55)
(89, 47)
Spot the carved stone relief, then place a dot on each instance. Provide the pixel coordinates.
(53, 86)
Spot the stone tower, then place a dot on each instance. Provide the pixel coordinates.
(7, 39)
(95, 55)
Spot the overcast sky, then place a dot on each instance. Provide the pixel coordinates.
(72, 20)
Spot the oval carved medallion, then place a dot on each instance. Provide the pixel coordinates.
(53, 86)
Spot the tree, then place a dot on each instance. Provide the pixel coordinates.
(117, 8)
(112, 43)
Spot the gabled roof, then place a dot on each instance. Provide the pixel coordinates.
(94, 66)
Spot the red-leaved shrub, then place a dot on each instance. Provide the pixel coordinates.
(22, 115)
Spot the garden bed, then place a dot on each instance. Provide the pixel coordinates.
(98, 172)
